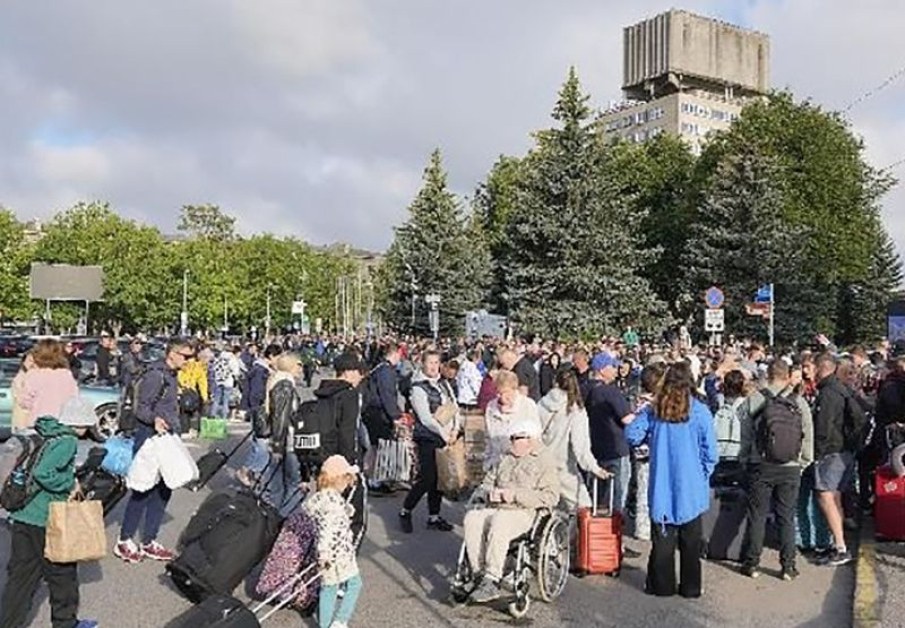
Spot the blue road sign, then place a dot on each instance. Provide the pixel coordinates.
(714, 298)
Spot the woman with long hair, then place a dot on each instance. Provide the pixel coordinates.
(47, 385)
(565, 432)
(683, 453)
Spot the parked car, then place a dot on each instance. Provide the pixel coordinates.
(105, 400)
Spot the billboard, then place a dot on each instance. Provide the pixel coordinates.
(64, 282)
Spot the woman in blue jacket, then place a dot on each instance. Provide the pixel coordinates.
(683, 453)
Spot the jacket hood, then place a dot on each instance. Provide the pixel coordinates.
(49, 427)
(330, 387)
(554, 401)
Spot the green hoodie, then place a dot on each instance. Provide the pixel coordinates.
(53, 476)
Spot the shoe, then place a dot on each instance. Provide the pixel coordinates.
(751, 572)
(628, 552)
(789, 574)
(440, 524)
(837, 558)
(339, 624)
(487, 592)
(86, 623)
(156, 551)
(405, 520)
(128, 551)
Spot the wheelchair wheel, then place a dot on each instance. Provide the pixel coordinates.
(553, 558)
(519, 606)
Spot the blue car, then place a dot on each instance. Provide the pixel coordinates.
(105, 400)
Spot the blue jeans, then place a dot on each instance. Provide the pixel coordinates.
(257, 456)
(327, 612)
(282, 492)
(220, 401)
(621, 468)
(150, 505)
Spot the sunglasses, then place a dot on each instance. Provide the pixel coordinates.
(187, 356)
(512, 439)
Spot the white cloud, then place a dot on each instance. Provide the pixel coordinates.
(316, 117)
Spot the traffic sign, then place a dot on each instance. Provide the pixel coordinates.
(298, 307)
(714, 298)
(714, 320)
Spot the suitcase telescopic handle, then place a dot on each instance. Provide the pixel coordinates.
(612, 483)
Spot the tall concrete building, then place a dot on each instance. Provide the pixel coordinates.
(687, 75)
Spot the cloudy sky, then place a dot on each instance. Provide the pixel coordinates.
(316, 117)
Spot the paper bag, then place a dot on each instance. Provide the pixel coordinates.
(451, 470)
(75, 532)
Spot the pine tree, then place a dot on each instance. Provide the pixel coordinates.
(438, 250)
(741, 241)
(573, 248)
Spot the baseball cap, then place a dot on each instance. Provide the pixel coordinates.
(524, 427)
(603, 360)
(337, 465)
(348, 361)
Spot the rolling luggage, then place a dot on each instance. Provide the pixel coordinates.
(232, 532)
(101, 485)
(889, 507)
(724, 523)
(295, 550)
(599, 538)
(210, 464)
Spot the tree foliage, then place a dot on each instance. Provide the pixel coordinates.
(437, 250)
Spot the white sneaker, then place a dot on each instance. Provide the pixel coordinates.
(339, 624)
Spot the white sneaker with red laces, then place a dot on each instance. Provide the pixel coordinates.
(156, 551)
(128, 551)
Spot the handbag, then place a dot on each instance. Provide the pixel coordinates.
(75, 531)
(214, 429)
(451, 468)
(177, 467)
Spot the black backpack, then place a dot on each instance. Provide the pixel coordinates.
(17, 488)
(316, 436)
(128, 420)
(780, 429)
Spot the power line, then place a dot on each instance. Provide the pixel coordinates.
(870, 93)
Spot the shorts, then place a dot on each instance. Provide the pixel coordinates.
(834, 472)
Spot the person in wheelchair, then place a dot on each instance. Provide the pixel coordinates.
(525, 480)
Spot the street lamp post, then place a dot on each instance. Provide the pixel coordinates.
(267, 318)
(184, 317)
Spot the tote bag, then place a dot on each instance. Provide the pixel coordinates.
(75, 532)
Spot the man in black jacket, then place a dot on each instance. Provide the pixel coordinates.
(381, 405)
(838, 420)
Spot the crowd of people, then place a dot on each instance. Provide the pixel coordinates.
(655, 426)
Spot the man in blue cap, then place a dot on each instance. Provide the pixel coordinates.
(608, 413)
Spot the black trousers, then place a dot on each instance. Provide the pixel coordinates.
(359, 503)
(427, 480)
(778, 485)
(27, 566)
(661, 566)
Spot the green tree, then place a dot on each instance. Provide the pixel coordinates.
(574, 249)
(741, 241)
(138, 292)
(207, 222)
(433, 253)
(15, 256)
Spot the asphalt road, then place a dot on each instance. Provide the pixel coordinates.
(405, 584)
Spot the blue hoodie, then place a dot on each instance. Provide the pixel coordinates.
(682, 458)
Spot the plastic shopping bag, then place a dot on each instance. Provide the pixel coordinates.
(177, 467)
(144, 474)
(118, 459)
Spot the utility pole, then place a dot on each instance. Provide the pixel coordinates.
(184, 318)
(772, 308)
(267, 318)
(434, 317)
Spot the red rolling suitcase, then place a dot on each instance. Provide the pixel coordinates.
(599, 538)
(889, 507)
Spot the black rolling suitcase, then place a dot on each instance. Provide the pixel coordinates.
(724, 523)
(232, 532)
(223, 611)
(210, 463)
(98, 483)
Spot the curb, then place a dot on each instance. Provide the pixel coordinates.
(866, 607)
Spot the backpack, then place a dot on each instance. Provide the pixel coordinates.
(780, 431)
(728, 427)
(128, 420)
(17, 487)
(315, 435)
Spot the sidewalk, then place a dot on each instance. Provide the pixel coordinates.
(880, 581)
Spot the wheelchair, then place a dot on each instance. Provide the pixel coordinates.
(540, 557)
